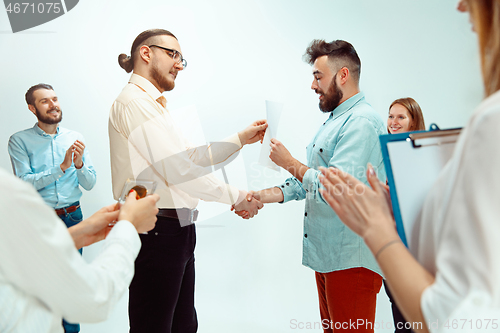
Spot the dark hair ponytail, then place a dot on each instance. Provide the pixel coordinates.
(127, 62)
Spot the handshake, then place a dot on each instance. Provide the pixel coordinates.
(249, 206)
(249, 203)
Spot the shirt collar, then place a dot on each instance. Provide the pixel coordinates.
(145, 85)
(347, 105)
(40, 131)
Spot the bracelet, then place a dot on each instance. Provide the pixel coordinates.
(386, 246)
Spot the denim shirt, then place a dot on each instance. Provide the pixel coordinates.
(36, 158)
(348, 140)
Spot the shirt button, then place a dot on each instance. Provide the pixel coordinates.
(282, 186)
(321, 150)
(287, 184)
(156, 234)
(314, 145)
(305, 235)
(305, 213)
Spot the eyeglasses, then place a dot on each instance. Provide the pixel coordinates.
(174, 54)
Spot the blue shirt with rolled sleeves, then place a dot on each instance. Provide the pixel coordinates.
(36, 158)
(348, 140)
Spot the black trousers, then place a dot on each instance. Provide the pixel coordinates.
(161, 295)
(399, 320)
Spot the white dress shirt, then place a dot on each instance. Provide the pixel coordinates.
(43, 277)
(460, 231)
(146, 143)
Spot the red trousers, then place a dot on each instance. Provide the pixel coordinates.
(347, 299)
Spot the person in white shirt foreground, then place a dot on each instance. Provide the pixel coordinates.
(453, 283)
(42, 275)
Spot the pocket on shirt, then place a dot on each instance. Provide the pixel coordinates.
(324, 155)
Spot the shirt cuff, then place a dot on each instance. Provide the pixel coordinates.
(57, 172)
(83, 169)
(125, 231)
(235, 138)
(230, 195)
(311, 184)
(292, 190)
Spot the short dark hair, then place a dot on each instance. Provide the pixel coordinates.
(337, 50)
(30, 99)
(127, 62)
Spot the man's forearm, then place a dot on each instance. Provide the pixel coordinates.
(41, 179)
(269, 195)
(297, 169)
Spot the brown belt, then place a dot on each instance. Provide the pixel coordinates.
(66, 210)
(181, 214)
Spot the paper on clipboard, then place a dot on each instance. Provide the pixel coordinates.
(273, 110)
(413, 162)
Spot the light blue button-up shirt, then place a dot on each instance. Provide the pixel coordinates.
(36, 158)
(348, 140)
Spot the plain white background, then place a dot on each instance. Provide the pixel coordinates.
(240, 53)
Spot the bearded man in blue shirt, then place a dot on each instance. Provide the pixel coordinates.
(53, 159)
(347, 275)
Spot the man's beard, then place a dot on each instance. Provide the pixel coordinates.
(332, 98)
(47, 119)
(161, 80)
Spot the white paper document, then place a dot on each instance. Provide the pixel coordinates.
(273, 110)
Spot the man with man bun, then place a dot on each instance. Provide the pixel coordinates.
(145, 143)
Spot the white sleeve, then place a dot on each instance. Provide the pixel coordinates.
(155, 142)
(38, 256)
(468, 270)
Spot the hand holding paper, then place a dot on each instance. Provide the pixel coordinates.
(253, 133)
(280, 155)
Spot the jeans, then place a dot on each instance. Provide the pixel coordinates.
(70, 219)
(400, 325)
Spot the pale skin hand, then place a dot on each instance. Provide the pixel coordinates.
(94, 228)
(78, 148)
(251, 207)
(273, 194)
(253, 133)
(68, 158)
(74, 154)
(282, 157)
(141, 213)
(367, 212)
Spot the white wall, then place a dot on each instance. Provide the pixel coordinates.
(240, 53)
